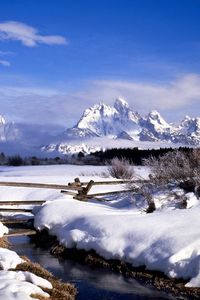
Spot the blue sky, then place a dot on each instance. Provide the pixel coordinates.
(58, 57)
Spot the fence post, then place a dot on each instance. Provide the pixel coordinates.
(82, 194)
(76, 182)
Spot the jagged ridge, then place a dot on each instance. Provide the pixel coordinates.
(120, 121)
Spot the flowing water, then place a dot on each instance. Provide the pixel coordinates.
(92, 284)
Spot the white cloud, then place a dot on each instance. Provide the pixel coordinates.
(13, 91)
(33, 104)
(173, 99)
(5, 53)
(28, 35)
(175, 94)
(5, 63)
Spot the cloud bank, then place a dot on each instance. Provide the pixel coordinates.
(175, 94)
(27, 35)
(47, 105)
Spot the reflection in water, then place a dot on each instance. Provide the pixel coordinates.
(92, 284)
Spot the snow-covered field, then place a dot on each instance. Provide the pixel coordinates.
(166, 240)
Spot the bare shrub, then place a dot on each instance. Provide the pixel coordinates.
(146, 191)
(173, 166)
(195, 162)
(178, 167)
(120, 168)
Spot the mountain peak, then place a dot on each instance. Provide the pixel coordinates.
(2, 120)
(154, 114)
(186, 120)
(120, 103)
(101, 104)
(187, 117)
(155, 117)
(103, 119)
(120, 121)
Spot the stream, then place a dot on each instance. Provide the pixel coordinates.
(92, 284)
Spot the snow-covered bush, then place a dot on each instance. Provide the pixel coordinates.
(120, 168)
(176, 167)
(173, 166)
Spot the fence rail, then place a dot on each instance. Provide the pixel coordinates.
(22, 202)
(79, 190)
(39, 185)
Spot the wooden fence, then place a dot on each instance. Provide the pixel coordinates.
(79, 190)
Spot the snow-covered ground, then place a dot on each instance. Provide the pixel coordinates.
(21, 285)
(166, 240)
(18, 285)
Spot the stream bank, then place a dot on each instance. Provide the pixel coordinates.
(96, 278)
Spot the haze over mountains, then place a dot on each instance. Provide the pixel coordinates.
(100, 123)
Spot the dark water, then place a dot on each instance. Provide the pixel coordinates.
(92, 284)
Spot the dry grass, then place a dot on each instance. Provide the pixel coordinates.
(64, 291)
(35, 296)
(57, 249)
(4, 243)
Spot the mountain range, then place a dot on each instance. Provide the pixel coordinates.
(102, 122)
(120, 121)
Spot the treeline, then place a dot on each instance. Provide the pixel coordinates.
(17, 160)
(135, 155)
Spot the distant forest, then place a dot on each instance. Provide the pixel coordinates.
(134, 155)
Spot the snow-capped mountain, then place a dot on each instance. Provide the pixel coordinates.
(106, 120)
(121, 122)
(102, 126)
(189, 131)
(24, 139)
(69, 149)
(23, 133)
(8, 131)
(155, 128)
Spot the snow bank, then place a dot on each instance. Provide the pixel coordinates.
(9, 259)
(3, 230)
(20, 285)
(166, 241)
